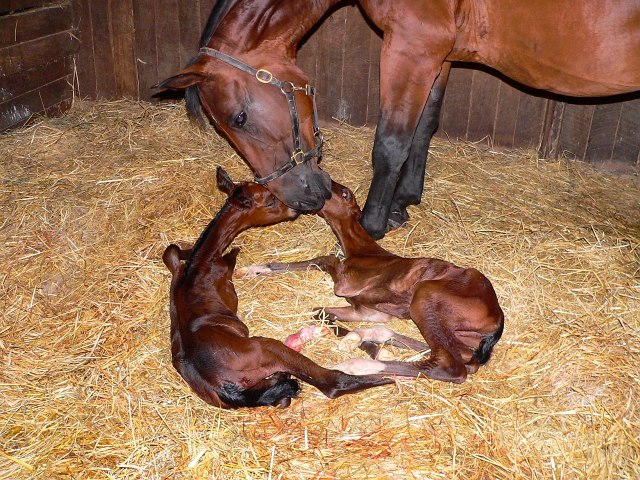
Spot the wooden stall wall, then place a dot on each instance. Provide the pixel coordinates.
(37, 47)
(126, 46)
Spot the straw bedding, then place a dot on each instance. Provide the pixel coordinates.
(89, 202)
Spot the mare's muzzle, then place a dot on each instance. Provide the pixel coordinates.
(298, 157)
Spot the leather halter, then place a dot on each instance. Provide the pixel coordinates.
(288, 89)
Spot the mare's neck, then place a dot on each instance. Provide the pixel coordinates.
(353, 238)
(250, 23)
(218, 235)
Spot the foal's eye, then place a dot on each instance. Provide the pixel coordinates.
(240, 120)
(271, 202)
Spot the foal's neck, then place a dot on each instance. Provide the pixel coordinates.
(218, 235)
(353, 238)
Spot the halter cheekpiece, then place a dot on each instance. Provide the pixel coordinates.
(288, 89)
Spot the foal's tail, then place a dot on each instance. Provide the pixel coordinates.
(483, 353)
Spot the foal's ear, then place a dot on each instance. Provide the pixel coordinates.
(225, 184)
(186, 78)
(231, 257)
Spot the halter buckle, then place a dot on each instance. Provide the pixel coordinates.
(298, 157)
(264, 76)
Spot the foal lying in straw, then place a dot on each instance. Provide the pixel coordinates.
(455, 309)
(210, 346)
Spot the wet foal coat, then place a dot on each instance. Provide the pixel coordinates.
(210, 346)
(455, 309)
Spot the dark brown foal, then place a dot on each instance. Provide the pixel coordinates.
(210, 346)
(455, 309)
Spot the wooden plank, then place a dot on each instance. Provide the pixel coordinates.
(144, 21)
(123, 48)
(103, 49)
(483, 105)
(331, 37)
(167, 38)
(355, 69)
(373, 101)
(86, 81)
(455, 116)
(18, 110)
(13, 86)
(602, 135)
(574, 133)
(189, 18)
(530, 121)
(306, 59)
(28, 55)
(627, 145)
(507, 105)
(36, 23)
(7, 6)
(552, 125)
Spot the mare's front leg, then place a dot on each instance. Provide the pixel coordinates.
(411, 182)
(405, 83)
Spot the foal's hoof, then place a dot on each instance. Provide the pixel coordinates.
(252, 271)
(350, 342)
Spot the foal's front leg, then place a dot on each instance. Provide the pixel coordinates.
(325, 263)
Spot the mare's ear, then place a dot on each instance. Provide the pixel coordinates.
(230, 258)
(225, 184)
(186, 78)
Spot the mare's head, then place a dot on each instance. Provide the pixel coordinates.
(257, 206)
(270, 122)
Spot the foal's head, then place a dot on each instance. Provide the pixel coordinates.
(342, 204)
(257, 206)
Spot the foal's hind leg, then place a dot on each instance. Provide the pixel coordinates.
(432, 313)
(411, 181)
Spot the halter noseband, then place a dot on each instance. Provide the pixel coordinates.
(288, 89)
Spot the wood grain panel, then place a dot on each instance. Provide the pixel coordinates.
(103, 49)
(144, 20)
(46, 98)
(35, 23)
(329, 61)
(167, 38)
(29, 55)
(483, 103)
(574, 133)
(627, 144)
(602, 135)
(85, 65)
(355, 69)
(455, 115)
(124, 62)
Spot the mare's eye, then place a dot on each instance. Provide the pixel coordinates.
(271, 202)
(240, 120)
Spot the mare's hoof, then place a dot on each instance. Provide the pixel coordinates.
(397, 219)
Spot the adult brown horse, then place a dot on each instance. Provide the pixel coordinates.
(578, 48)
